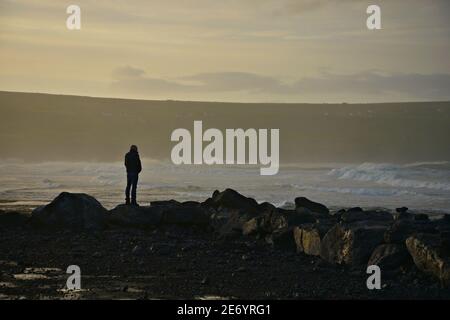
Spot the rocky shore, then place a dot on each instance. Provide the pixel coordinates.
(228, 246)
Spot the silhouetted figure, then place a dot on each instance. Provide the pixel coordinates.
(133, 165)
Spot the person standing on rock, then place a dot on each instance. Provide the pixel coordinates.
(133, 165)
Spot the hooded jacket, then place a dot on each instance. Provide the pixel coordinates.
(133, 162)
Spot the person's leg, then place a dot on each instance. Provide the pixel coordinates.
(127, 189)
(134, 188)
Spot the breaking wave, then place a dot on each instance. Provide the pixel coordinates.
(421, 175)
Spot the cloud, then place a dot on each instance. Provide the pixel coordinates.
(131, 79)
(328, 86)
(413, 85)
(235, 81)
(128, 72)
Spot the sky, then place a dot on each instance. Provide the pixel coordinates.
(231, 50)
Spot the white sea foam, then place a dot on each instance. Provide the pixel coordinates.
(418, 186)
(416, 175)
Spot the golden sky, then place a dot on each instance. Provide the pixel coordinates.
(229, 50)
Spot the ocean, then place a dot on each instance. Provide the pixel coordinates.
(422, 187)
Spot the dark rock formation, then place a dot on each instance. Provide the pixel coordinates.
(302, 202)
(282, 218)
(283, 239)
(185, 214)
(390, 257)
(400, 230)
(430, 256)
(421, 217)
(354, 209)
(171, 212)
(351, 244)
(232, 199)
(308, 237)
(9, 219)
(253, 226)
(401, 210)
(136, 216)
(72, 211)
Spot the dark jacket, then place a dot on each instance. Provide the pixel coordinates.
(132, 162)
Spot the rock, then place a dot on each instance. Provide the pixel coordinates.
(164, 203)
(400, 230)
(282, 218)
(252, 227)
(136, 216)
(298, 239)
(169, 212)
(403, 216)
(276, 219)
(266, 207)
(429, 256)
(443, 224)
(283, 239)
(351, 244)
(308, 238)
(379, 216)
(190, 203)
(421, 217)
(232, 199)
(390, 257)
(185, 215)
(354, 209)
(401, 210)
(9, 219)
(232, 226)
(72, 211)
(302, 202)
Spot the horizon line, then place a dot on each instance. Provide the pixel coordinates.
(217, 101)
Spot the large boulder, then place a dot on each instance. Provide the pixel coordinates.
(283, 239)
(230, 223)
(276, 219)
(135, 216)
(9, 219)
(185, 214)
(232, 199)
(303, 202)
(430, 256)
(308, 237)
(351, 244)
(171, 212)
(400, 230)
(402, 214)
(254, 226)
(72, 211)
(282, 218)
(390, 257)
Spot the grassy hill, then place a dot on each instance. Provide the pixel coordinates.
(43, 127)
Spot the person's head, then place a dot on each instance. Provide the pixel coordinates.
(134, 148)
